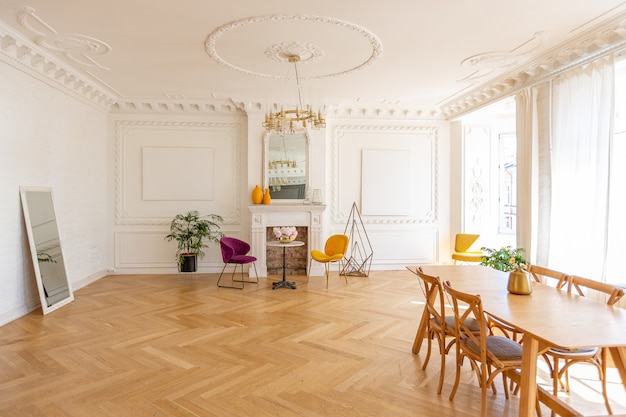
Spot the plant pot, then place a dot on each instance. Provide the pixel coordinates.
(519, 282)
(187, 262)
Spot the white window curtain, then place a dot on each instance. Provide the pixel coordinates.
(570, 192)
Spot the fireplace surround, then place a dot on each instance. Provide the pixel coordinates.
(263, 216)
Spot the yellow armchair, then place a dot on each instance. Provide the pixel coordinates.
(334, 251)
(462, 243)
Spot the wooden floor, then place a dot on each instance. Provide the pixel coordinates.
(176, 345)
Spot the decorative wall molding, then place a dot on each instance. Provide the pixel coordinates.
(430, 133)
(122, 130)
(27, 57)
(611, 37)
(175, 105)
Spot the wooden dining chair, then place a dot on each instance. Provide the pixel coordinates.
(489, 355)
(440, 326)
(596, 356)
(548, 276)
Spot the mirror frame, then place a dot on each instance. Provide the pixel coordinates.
(47, 308)
(307, 175)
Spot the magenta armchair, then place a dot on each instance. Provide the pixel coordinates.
(235, 251)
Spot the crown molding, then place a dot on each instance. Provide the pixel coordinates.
(31, 59)
(600, 41)
(174, 105)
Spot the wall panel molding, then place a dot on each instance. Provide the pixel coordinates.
(422, 142)
(224, 139)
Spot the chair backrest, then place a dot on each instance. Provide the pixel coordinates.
(542, 274)
(336, 244)
(467, 306)
(433, 291)
(575, 283)
(231, 246)
(463, 241)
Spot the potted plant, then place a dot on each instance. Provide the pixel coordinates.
(512, 261)
(505, 259)
(192, 232)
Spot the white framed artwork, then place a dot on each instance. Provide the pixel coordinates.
(385, 182)
(177, 173)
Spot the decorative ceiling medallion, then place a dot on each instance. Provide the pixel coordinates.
(488, 62)
(281, 51)
(75, 47)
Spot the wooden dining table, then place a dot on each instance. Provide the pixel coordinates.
(547, 317)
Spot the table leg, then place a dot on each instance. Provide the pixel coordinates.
(421, 331)
(284, 282)
(618, 354)
(528, 383)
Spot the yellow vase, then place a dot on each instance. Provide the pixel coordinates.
(266, 197)
(257, 195)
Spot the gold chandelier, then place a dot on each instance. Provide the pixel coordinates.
(292, 120)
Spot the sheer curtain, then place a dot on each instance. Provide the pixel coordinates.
(581, 120)
(564, 136)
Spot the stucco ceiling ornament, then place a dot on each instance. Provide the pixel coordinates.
(281, 51)
(77, 48)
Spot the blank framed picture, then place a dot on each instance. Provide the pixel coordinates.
(385, 182)
(178, 173)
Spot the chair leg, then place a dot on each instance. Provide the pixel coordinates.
(327, 268)
(222, 273)
(603, 358)
(442, 352)
(430, 338)
(308, 271)
(232, 277)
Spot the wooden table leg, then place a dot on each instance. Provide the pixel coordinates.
(528, 383)
(618, 354)
(421, 331)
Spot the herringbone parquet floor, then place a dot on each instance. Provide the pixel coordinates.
(176, 345)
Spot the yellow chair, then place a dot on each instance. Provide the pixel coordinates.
(334, 251)
(462, 243)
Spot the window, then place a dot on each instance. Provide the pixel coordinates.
(507, 190)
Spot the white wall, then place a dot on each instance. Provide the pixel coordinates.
(164, 164)
(48, 138)
(404, 203)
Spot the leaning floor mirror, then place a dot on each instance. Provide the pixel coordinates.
(45, 247)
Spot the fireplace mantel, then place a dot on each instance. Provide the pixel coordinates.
(263, 216)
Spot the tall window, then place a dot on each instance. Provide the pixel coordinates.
(507, 190)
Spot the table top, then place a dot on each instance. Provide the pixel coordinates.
(552, 316)
(276, 243)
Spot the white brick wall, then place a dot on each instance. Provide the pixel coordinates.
(48, 138)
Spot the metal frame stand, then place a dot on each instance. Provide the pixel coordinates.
(360, 260)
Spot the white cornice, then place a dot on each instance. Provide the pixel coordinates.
(27, 57)
(608, 38)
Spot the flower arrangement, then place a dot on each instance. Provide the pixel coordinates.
(504, 259)
(285, 233)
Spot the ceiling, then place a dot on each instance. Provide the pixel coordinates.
(404, 54)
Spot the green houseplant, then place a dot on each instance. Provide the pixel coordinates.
(192, 232)
(504, 259)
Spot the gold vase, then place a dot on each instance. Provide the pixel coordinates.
(267, 198)
(519, 282)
